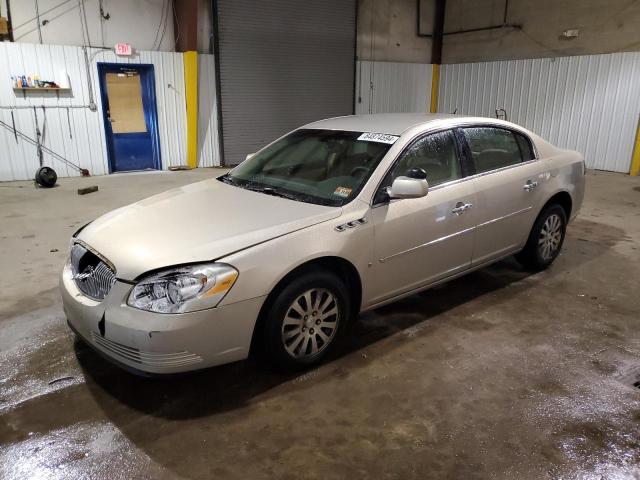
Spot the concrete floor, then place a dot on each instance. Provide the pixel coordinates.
(499, 374)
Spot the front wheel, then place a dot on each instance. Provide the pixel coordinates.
(306, 320)
(545, 240)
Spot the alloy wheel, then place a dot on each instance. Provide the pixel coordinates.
(550, 236)
(310, 323)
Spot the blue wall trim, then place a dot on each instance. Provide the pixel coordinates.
(147, 81)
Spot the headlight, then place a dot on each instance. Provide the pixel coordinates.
(183, 289)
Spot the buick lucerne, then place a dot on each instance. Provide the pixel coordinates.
(337, 217)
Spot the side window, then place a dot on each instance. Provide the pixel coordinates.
(525, 147)
(493, 148)
(436, 154)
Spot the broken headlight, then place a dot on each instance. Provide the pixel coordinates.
(183, 289)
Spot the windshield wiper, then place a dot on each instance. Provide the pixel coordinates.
(274, 192)
(254, 187)
(226, 178)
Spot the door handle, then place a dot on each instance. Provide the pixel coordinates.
(530, 185)
(461, 207)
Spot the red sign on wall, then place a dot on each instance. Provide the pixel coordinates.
(123, 49)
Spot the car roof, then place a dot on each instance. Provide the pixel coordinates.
(391, 123)
(395, 123)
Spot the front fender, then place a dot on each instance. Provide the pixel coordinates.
(263, 266)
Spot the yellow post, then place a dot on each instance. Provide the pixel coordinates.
(191, 96)
(435, 84)
(635, 159)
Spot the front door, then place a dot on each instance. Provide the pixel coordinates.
(130, 118)
(419, 241)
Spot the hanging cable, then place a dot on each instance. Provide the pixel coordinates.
(38, 20)
(155, 40)
(177, 23)
(164, 28)
(84, 40)
(41, 148)
(42, 13)
(86, 24)
(46, 21)
(372, 55)
(103, 17)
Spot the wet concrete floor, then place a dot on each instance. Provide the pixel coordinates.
(499, 374)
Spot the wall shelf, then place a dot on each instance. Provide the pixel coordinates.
(24, 90)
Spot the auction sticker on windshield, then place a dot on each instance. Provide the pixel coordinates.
(343, 192)
(378, 137)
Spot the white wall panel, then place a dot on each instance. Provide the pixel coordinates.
(208, 148)
(385, 87)
(134, 22)
(79, 137)
(586, 103)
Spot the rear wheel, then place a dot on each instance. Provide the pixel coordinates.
(545, 240)
(306, 320)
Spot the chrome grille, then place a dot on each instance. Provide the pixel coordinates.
(92, 276)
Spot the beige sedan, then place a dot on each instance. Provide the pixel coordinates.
(337, 217)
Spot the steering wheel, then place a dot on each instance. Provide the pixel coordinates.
(359, 172)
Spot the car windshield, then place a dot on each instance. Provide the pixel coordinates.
(325, 167)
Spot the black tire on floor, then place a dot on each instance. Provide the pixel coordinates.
(325, 285)
(533, 255)
(46, 177)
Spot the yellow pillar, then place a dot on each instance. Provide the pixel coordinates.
(435, 84)
(191, 96)
(635, 159)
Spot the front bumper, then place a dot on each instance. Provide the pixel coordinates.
(159, 343)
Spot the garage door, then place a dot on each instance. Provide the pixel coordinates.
(282, 63)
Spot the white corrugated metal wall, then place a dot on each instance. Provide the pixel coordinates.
(80, 136)
(208, 148)
(586, 103)
(387, 87)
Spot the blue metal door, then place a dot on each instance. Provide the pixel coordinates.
(130, 116)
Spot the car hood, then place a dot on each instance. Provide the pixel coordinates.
(198, 222)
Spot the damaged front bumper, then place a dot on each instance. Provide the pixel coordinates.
(159, 343)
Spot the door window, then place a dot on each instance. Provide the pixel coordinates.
(493, 148)
(436, 154)
(126, 112)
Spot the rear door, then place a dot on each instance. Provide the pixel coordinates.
(507, 184)
(418, 241)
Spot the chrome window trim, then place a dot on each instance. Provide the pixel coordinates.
(534, 149)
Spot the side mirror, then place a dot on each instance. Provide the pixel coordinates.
(249, 155)
(412, 185)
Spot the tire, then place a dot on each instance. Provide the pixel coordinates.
(46, 177)
(294, 328)
(543, 247)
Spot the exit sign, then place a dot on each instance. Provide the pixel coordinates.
(123, 49)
